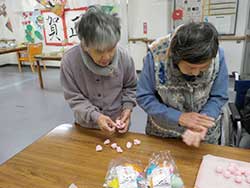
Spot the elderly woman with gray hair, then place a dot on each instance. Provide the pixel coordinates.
(183, 85)
(98, 76)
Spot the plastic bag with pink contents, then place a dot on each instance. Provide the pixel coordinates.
(162, 172)
(125, 173)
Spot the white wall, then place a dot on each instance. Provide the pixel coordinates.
(156, 14)
(245, 68)
(234, 49)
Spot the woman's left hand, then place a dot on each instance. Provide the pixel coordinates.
(124, 119)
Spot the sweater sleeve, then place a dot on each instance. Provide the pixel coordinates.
(146, 95)
(80, 105)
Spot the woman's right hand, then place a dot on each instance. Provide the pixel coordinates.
(195, 121)
(106, 124)
(192, 138)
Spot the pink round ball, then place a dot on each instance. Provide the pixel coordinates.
(231, 169)
(219, 169)
(237, 173)
(238, 179)
(242, 170)
(247, 172)
(227, 174)
(248, 179)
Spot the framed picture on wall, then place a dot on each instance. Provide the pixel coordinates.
(32, 22)
(71, 17)
(60, 31)
(54, 29)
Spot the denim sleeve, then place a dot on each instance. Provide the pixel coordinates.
(219, 92)
(146, 95)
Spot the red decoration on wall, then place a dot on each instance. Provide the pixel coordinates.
(177, 14)
(145, 28)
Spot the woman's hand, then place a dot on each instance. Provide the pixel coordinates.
(106, 124)
(196, 121)
(124, 120)
(192, 138)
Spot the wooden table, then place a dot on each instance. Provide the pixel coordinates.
(67, 155)
(14, 49)
(44, 57)
(10, 50)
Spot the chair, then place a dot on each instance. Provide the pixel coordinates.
(241, 87)
(28, 56)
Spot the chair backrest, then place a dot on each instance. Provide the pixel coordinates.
(34, 49)
(241, 87)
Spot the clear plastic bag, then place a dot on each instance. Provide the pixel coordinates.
(125, 173)
(162, 172)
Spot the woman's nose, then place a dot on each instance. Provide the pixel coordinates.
(106, 56)
(195, 72)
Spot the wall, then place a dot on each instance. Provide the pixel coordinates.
(155, 12)
(234, 50)
(160, 20)
(15, 9)
(245, 68)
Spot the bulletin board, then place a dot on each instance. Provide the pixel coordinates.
(222, 14)
(60, 31)
(186, 11)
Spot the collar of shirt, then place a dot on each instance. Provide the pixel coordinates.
(102, 71)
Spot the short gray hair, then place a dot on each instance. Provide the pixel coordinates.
(194, 42)
(98, 29)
